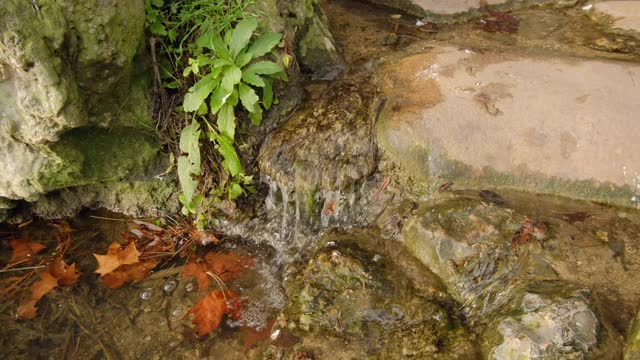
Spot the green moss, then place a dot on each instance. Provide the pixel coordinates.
(632, 349)
(89, 155)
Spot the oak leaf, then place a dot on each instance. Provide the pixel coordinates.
(39, 289)
(228, 266)
(199, 271)
(125, 273)
(24, 249)
(66, 275)
(117, 256)
(209, 311)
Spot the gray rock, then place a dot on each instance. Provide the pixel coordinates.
(317, 51)
(560, 126)
(328, 144)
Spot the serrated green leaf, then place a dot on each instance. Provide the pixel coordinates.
(252, 78)
(198, 93)
(248, 97)
(264, 68)
(227, 121)
(157, 3)
(187, 183)
(264, 44)
(220, 47)
(280, 76)
(219, 98)
(241, 35)
(231, 160)
(267, 94)
(243, 59)
(230, 77)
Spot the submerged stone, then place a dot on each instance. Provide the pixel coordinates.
(329, 144)
(562, 126)
(624, 15)
(346, 292)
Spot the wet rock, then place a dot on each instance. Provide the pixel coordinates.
(347, 292)
(317, 51)
(482, 120)
(548, 326)
(328, 144)
(623, 15)
(505, 284)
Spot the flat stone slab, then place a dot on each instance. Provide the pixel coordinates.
(551, 125)
(624, 14)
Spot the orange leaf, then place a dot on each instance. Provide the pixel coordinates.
(251, 336)
(199, 271)
(24, 249)
(66, 274)
(209, 311)
(125, 273)
(116, 256)
(39, 289)
(228, 266)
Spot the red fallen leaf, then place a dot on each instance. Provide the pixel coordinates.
(209, 311)
(24, 249)
(66, 275)
(125, 273)
(117, 256)
(251, 336)
(39, 289)
(529, 231)
(199, 271)
(228, 266)
(203, 237)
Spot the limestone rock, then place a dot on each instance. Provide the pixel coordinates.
(561, 126)
(328, 144)
(624, 15)
(68, 72)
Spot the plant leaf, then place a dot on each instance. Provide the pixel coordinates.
(264, 44)
(231, 76)
(116, 256)
(243, 59)
(228, 152)
(265, 68)
(241, 36)
(24, 250)
(219, 98)
(267, 94)
(218, 45)
(190, 144)
(248, 97)
(187, 183)
(256, 116)
(198, 93)
(227, 121)
(253, 78)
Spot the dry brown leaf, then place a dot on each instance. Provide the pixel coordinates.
(39, 289)
(251, 336)
(209, 311)
(228, 266)
(125, 273)
(24, 249)
(117, 256)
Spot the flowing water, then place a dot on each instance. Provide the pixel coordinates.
(338, 272)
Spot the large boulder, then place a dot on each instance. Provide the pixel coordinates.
(562, 126)
(328, 144)
(72, 94)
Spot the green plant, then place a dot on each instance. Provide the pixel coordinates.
(230, 72)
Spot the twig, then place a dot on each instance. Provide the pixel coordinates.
(24, 268)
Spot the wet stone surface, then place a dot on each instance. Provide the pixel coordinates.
(328, 144)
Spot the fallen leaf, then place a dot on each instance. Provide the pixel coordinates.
(66, 275)
(203, 237)
(251, 336)
(209, 311)
(529, 230)
(496, 21)
(126, 273)
(228, 266)
(574, 217)
(24, 249)
(117, 256)
(199, 271)
(39, 289)
(491, 197)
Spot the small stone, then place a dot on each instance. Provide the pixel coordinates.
(145, 294)
(169, 286)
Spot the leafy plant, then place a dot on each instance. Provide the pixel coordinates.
(232, 73)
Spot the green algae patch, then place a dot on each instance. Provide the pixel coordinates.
(89, 155)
